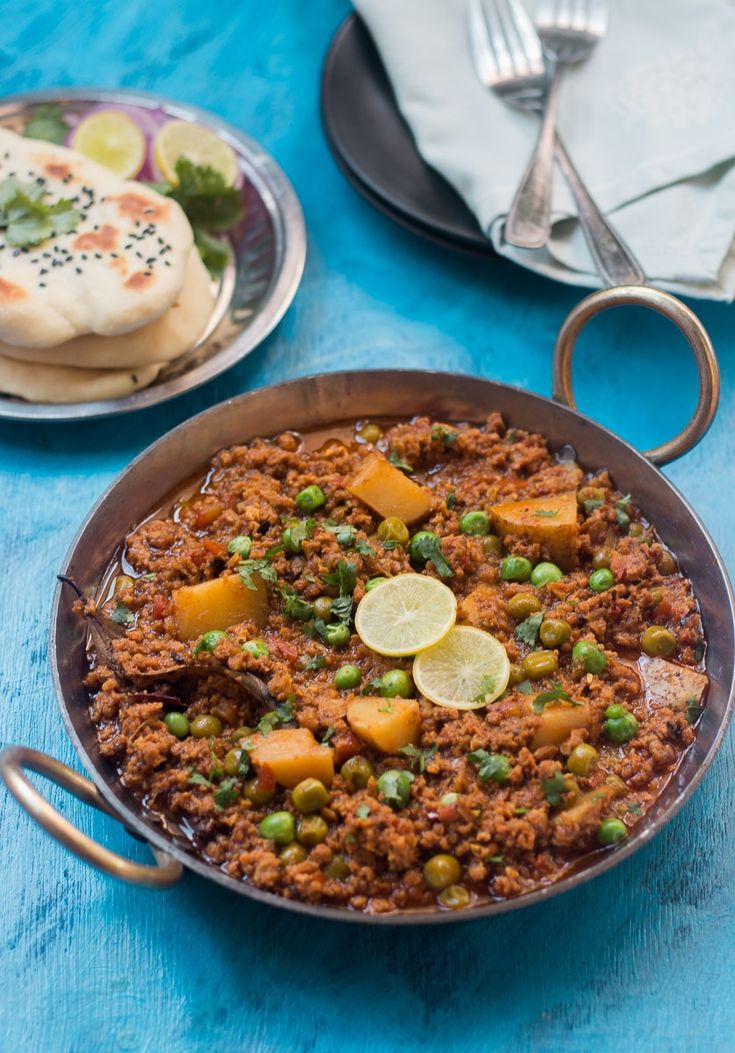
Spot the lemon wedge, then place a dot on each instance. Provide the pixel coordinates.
(111, 139)
(467, 669)
(198, 144)
(405, 614)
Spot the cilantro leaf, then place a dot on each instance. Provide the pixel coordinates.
(342, 609)
(592, 503)
(294, 606)
(226, 794)
(450, 500)
(396, 461)
(390, 544)
(195, 779)
(363, 548)
(122, 615)
(554, 788)
(525, 687)
(634, 807)
(47, 122)
(546, 513)
(318, 661)
(362, 811)
(487, 686)
(693, 711)
(344, 532)
(215, 252)
(427, 546)
(261, 567)
(344, 577)
(280, 715)
(395, 787)
(328, 735)
(205, 197)
(496, 859)
(527, 630)
(493, 766)
(422, 757)
(555, 694)
(27, 219)
(372, 685)
(621, 512)
(441, 434)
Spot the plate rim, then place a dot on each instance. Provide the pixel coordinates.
(283, 206)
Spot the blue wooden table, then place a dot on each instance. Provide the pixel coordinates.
(641, 959)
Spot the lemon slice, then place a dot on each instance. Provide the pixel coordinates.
(405, 614)
(198, 144)
(112, 139)
(466, 670)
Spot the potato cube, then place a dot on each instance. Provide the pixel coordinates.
(674, 686)
(557, 721)
(551, 521)
(388, 491)
(293, 754)
(385, 723)
(218, 604)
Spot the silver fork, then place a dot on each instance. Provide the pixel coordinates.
(509, 59)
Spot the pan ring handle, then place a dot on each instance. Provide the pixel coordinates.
(694, 332)
(15, 759)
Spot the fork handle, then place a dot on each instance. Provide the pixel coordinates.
(528, 223)
(615, 263)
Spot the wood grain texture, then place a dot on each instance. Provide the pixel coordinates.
(640, 960)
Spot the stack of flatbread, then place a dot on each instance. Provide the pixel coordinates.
(95, 313)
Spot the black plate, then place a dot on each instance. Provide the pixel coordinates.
(375, 149)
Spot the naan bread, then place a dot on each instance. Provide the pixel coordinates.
(169, 336)
(36, 383)
(121, 268)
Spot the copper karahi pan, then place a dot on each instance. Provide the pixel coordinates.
(320, 401)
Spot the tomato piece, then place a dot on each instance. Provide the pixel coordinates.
(215, 548)
(287, 650)
(160, 605)
(346, 745)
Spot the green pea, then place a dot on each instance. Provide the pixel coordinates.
(337, 635)
(292, 854)
(206, 726)
(122, 582)
(475, 523)
(667, 564)
(312, 830)
(347, 677)
(515, 568)
(601, 559)
(257, 648)
(539, 664)
(455, 897)
(242, 733)
(309, 796)
(240, 546)
(554, 632)
(658, 642)
(601, 580)
(589, 656)
(492, 545)
(310, 498)
(393, 529)
(610, 831)
(279, 827)
(441, 871)
(396, 683)
(323, 608)
(450, 798)
(582, 758)
(517, 676)
(231, 763)
(637, 530)
(357, 772)
(256, 793)
(370, 433)
(337, 868)
(177, 724)
(414, 549)
(208, 641)
(620, 724)
(544, 573)
(372, 582)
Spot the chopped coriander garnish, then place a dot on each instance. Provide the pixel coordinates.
(441, 434)
(344, 577)
(554, 788)
(226, 793)
(362, 811)
(372, 685)
(634, 807)
(280, 715)
(525, 687)
(426, 547)
(195, 779)
(27, 219)
(621, 512)
(546, 513)
(328, 735)
(396, 461)
(554, 694)
(261, 567)
(318, 661)
(395, 787)
(693, 711)
(496, 859)
(122, 615)
(47, 122)
(527, 630)
(592, 503)
(422, 757)
(493, 766)
(487, 686)
(294, 606)
(450, 500)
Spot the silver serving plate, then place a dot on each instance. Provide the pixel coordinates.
(254, 293)
(317, 402)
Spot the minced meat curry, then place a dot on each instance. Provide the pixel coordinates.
(251, 696)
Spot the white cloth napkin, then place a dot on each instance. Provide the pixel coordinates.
(649, 120)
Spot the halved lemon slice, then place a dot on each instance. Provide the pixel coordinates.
(405, 614)
(111, 139)
(467, 669)
(198, 144)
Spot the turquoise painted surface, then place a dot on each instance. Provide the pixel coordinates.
(640, 960)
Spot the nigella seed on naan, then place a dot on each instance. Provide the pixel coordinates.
(121, 267)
